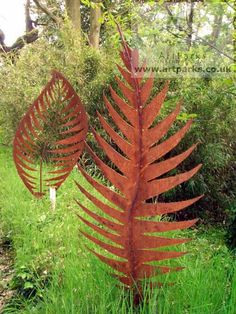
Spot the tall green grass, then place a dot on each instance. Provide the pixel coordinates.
(55, 273)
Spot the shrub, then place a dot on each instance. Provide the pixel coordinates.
(21, 80)
(213, 103)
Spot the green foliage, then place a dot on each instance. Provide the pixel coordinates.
(30, 283)
(214, 104)
(88, 70)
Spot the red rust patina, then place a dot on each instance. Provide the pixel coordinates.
(63, 153)
(129, 235)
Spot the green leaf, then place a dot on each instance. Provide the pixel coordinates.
(28, 285)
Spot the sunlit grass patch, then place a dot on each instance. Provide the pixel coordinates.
(55, 273)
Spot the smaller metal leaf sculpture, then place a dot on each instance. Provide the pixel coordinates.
(51, 134)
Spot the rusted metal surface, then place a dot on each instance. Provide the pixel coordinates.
(51, 133)
(130, 236)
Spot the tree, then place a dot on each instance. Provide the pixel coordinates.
(55, 13)
(95, 23)
(73, 11)
(31, 33)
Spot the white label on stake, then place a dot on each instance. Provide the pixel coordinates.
(53, 197)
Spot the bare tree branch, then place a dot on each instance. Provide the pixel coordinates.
(190, 25)
(45, 10)
(231, 6)
(30, 36)
(2, 43)
(20, 42)
(28, 21)
(181, 1)
(197, 38)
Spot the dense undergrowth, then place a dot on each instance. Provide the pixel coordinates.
(55, 273)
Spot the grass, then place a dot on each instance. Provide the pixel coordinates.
(55, 273)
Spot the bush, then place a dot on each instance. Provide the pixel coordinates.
(22, 78)
(213, 103)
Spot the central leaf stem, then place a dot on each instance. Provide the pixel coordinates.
(138, 163)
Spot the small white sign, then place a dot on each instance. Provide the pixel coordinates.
(53, 197)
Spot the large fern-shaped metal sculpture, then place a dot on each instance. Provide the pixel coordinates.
(51, 132)
(129, 232)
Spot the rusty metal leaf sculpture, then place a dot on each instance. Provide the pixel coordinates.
(139, 177)
(51, 134)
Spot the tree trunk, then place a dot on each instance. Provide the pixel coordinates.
(95, 24)
(3, 47)
(28, 22)
(190, 25)
(73, 11)
(217, 27)
(31, 34)
(45, 10)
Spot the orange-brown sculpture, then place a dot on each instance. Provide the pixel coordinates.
(57, 110)
(140, 177)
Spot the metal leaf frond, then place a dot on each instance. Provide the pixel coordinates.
(139, 177)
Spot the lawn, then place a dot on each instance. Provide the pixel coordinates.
(55, 273)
